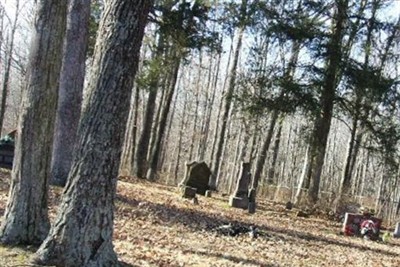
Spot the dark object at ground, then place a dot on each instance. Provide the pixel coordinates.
(195, 201)
(303, 214)
(7, 144)
(289, 205)
(237, 229)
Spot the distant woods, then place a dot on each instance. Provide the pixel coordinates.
(306, 91)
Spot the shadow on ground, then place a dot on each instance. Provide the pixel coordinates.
(208, 223)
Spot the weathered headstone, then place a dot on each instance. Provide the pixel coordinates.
(240, 197)
(252, 201)
(396, 233)
(197, 175)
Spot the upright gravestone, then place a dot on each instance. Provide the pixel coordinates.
(252, 200)
(396, 233)
(240, 197)
(196, 179)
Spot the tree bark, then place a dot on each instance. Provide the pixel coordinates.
(128, 148)
(144, 140)
(228, 101)
(323, 121)
(212, 85)
(196, 110)
(302, 178)
(265, 147)
(155, 153)
(165, 141)
(140, 162)
(26, 217)
(82, 232)
(271, 171)
(70, 92)
(221, 102)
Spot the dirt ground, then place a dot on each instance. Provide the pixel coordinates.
(155, 227)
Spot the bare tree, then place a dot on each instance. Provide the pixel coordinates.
(228, 98)
(26, 219)
(7, 70)
(83, 230)
(70, 93)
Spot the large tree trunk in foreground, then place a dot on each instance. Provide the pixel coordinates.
(70, 93)
(26, 217)
(82, 233)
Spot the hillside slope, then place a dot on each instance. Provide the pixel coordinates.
(155, 227)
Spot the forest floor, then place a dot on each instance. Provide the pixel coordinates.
(154, 226)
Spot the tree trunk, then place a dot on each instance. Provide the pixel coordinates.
(196, 110)
(221, 102)
(354, 144)
(323, 121)
(2, 15)
(144, 140)
(262, 156)
(228, 101)
(208, 106)
(165, 140)
(181, 133)
(379, 197)
(161, 99)
(231, 177)
(275, 114)
(155, 153)
(7, 70)
(140, 165)
(128, 149)
(271, 171)
(82, 232)
(302, 179)
(70, 93)
(26, 217)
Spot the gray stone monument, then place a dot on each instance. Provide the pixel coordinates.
(240, 198)
(252, 200)
(396, 233)
(197, 175)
